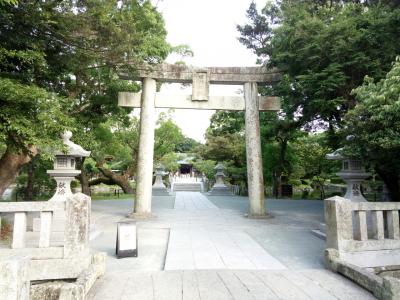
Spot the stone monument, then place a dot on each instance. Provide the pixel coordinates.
(159, 188)
(220, 188)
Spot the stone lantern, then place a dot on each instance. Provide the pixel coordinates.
(352, 173)
(64, 172)
(220, 188)
(159, 188)
(64, 167)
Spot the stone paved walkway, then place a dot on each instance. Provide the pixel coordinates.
(197, 247)
(202, 247)
(227, 284)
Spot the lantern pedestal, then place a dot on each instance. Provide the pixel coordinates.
(354, 181)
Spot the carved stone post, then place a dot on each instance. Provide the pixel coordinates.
(146, 150)
(253, 151)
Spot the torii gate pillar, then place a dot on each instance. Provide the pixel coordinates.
(201, 78)
(144, 179)
(255, 180)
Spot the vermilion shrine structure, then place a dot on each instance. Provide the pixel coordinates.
(200, 78)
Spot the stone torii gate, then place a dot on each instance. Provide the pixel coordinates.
(201, 78)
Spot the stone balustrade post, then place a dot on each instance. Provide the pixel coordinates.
(339, 225)
(77, 225)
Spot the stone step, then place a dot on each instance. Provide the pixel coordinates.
(192, 187)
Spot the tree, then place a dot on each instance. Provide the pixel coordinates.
(73, 50)
(311, 152)
(375, 124)
(206, 167)
(187, 145)
(115, 146)
(31, 119)
(167, 136)
(324, 48)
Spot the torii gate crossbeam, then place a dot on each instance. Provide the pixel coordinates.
(200, 78)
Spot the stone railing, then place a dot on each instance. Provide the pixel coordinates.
(76, 234)
(33, 257)
(362, 226)
(363, 244)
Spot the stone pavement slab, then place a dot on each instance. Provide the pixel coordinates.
(199, 247)
(192, 201)
(227, 284)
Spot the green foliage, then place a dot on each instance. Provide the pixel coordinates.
(43, 185)
(187, 145)
(223, 148)
(59, 66)
(170, 162)
(206, 167)
(226, 122)
(375, 121)
(9, 2)
(30, 116)
(326, 49)
(375, 125)
(311, 152)
(167, 136)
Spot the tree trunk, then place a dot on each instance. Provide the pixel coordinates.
(119, 180)
(391, 180)
(30, 182)
(10, 165)
(83, 178)
(281, 167)
(101, 180)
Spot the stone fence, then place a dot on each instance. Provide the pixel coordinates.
(363, 243)
(31, 258)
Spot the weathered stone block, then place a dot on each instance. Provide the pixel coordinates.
(14, 280)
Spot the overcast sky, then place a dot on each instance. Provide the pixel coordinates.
(209, 28)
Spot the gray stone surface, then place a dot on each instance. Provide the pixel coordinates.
(201, 78)
(355, 247)
(14, 278)
(227, 284)
(71, 290)
(212, 223)
(253, 151)
(127, 99)
(217, 75)
(142, 207)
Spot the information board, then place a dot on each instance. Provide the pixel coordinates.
(126, 240)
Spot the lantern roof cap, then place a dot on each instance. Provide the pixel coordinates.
(336, 155)
(219, 166)
(73, 149)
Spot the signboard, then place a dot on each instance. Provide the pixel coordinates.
(126, 240)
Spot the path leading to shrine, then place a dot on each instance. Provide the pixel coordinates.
(202, 247)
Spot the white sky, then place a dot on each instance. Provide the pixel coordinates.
(209, 28)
